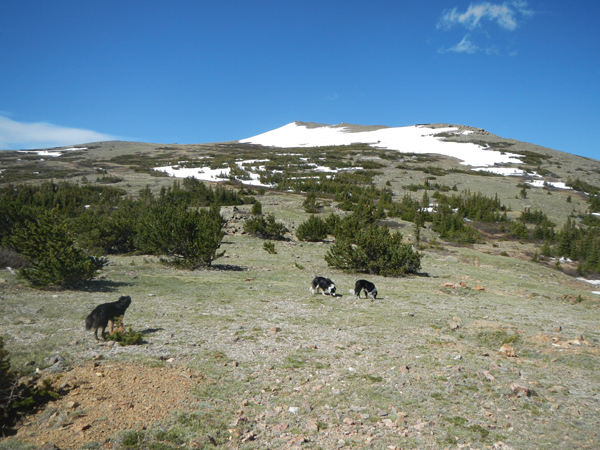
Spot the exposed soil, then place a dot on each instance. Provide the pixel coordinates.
(103, 398)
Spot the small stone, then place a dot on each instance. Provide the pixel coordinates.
(388, 423)
(72, 405)
(507, 351)
(280, 427)
(294, 409)
(453, 325)
(557, 329)
(479, 288)
(274, 330)
(348, 421)
(312, 426)
(520, 390)
(486, 375)
(82, 428)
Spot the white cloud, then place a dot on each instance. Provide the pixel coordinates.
(19, 135)
(464, 46)
(506, 15)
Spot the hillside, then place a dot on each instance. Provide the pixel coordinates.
(241, 355)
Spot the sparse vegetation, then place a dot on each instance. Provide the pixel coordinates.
(264, 361)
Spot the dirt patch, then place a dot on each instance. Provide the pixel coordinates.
(107, 397)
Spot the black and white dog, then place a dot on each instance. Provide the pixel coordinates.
(369, 288)
(325, 284)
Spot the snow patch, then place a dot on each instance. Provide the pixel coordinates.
(542, 183)
(412, 139)
(52, 153)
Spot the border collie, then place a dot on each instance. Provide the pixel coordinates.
(105, 314)
(325, 284)
(369, 288)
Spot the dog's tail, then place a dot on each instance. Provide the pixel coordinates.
(89, 322)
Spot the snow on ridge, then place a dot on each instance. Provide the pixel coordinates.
(411, 139)
(53, 153)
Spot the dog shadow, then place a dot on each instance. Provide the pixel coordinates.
(103, 286)
(228, 268)
(151, 330)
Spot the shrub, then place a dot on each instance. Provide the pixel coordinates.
(269, 247)
(519, 231)
(374, 250)
(265, 227)
(122, 336)
(310, 203)
(313, 229)
(7, 380)
(17, 399)
(190, 237)
(257, 209)
(53, 258)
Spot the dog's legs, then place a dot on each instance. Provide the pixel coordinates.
(111, 324)
(96, 333)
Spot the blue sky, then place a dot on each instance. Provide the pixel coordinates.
(206, 71)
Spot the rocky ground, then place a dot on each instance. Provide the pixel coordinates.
(480, 351)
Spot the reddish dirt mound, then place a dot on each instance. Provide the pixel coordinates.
(107, 397)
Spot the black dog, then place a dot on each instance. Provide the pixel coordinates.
(105, 314)
(370, 289)
(325, 284)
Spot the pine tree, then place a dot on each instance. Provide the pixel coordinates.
(373, 249)
(54, 259)
(313, 229)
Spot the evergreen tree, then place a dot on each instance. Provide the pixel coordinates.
(257, 208)
(7, 380)
(265, 227)
(373, 249)
(313, 229)
(54, 259)
(190, 237)
(310, 203)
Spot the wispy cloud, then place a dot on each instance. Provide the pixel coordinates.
(478, 16)
(464, 46)
(506, 15)
(18, 135)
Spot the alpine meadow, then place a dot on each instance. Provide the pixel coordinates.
(484, 332)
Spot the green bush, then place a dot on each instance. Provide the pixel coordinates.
(7, 380)
(53, 258)
(313, 229)
(265, 227)
(374, 250)
(257, 209)
(519, 231)
(310, 203)
(269, 247)
(189, 237)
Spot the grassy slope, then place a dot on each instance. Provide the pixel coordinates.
(338, 358)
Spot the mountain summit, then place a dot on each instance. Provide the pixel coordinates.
(419, 139)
